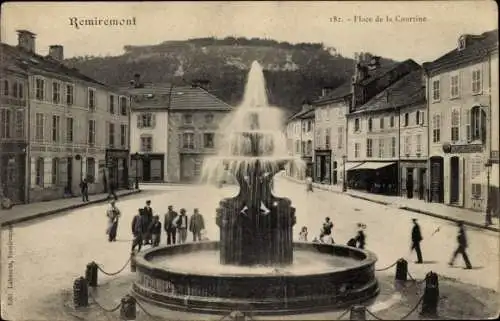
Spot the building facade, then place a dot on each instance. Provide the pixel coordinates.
(13, 130)
(300, 138)
(460, 117)
(77, 127)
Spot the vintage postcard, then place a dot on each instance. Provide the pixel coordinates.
(315, 160)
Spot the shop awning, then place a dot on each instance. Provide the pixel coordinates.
(352, 165)
(483, 177)
(373, 165)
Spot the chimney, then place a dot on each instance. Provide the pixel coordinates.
(56, 52)
(136, 82)
(26, 40)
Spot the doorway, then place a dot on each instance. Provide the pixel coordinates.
(146, 169)
(409, 182)
(421, 183)
(454, 180)
(334, 177)
(436, 193)
(69, 175)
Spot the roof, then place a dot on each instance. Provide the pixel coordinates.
(476, 47)
(407, 91)
(379, 72)
(33, 61)
(307, 115)
(301, 113)
(340, 92)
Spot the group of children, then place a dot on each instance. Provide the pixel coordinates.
(326, 236)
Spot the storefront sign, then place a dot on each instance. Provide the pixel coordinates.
(462, 149)
(326, 152)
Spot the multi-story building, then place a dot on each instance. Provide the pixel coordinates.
(300, 137)
(330, 125)
(193, 121)
(460, 96)
(373, 136)
(13, 129)
(77, 126)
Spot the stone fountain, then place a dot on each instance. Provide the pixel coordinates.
(256, 265)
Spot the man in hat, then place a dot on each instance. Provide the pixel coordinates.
(462, 245)
(416, 238)
(148, 219)
(170, 226)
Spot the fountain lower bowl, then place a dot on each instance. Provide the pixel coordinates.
(189, 277)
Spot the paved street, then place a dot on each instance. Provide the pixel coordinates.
(48, 254)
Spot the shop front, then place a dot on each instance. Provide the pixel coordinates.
(308, 160)
(414, 179)
(13, 172)
(323, 164)
(375, 177)
(117, 168)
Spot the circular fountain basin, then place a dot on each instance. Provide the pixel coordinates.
(189, 277)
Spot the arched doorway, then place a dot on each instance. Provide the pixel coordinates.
(437, 185)
(454, 180)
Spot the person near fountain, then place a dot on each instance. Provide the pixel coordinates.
(181, 222)
(309, 184)
(326, 232)
(137, 229)
(113, 214)
(303, 234)
(462, 245)
(196, 225)
(416, 238)
(155, 231)
(148, 219)
(360, 236)
(169, 225)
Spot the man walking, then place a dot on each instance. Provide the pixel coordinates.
(84, 187)
(169, 225)
(137, 229)
(182, 225)
(148, 218)
(462, 245)
(416, 238)
(113, 214)
(196, 225)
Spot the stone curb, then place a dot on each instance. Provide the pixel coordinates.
(63, 209)
(406, 208)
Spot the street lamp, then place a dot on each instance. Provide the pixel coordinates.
(136, 157)
(78, 157)
(344, 181)
(488, 200)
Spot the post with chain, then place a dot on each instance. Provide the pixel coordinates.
(133, 266)
(431, 295)
(401, 273)
(358, 312)
(80, 292)
(91, 274)
(128, 309)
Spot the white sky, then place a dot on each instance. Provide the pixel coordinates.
(282, 21)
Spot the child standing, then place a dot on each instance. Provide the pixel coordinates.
(303, 234)
(155, 230)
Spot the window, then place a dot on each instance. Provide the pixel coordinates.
(209, 118)
(208, 140)
(393, 147)
(297, 147)
(327, 114)
(111, 107)
(39, 169)
(69, 130)
(91, 98)
(309, 147)
(381, 122)
(146, 120)
(39, 89)
(318, 114)
(303, 147)
(436, 93)
(370, 124)
(56, 128)
(56, 92)
(188, 140)
(369, 147)
(91, 132)
(455, 125)
(123, 135)
(454, 90)
(381, 148)
(356, 125)
(318, 137)
(340, 137)
(303, 127)
(407, 119)
(327, 138)
(476, 167)
(436, 128)
(476, 81)
(188, 119)
(478, 124)
(407, 147)
(111, 134)
(39, 127)
(419, 144)
(18, 90)
(146, 143)
(70, 94)
(391, 121)
(123, 106)
(356, 150)
(55, 171)
(5, 123)
(5, 87)
(309, 126)
(417, 117)
(91, 169)
(20, 124)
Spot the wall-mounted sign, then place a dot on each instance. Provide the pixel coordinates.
(462, 149)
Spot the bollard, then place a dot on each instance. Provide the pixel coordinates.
(132, 262)
(431, 294)
(358, 312)
(91, 274)
(401, 272)
(80, 292)
(127, 309)
(237, 316)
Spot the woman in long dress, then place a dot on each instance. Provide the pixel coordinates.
(113, 215)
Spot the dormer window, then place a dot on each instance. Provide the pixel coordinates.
(461, 43)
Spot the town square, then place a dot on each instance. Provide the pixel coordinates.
(224, 175)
